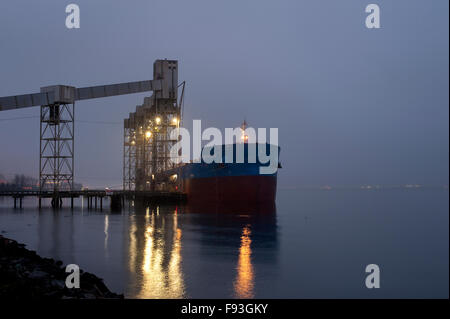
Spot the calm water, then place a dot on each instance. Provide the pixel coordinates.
(315, 244)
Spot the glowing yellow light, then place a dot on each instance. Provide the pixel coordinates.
(148, 134)
(157, 263)
(133, 142)
(244, 283)
(158, 120)
(174, 121)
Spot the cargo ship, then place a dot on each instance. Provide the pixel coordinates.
(149, 167)
(234, 182)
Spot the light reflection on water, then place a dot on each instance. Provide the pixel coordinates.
(243, 285)
(155, 258)
(156, 251)
(156, 248)
(106, 233)
(316, 245)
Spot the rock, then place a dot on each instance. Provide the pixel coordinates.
(58, 283)
(24, 275)
(37, 274)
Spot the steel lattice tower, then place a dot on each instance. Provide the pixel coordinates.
(147, 141)
(56, 160)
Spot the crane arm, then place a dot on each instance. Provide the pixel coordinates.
(26, 100)
(68, 94)
(93, 92)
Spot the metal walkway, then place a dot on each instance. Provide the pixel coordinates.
(95, 197)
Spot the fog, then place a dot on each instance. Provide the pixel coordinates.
(352, 105)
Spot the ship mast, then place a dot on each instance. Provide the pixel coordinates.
(243, 128)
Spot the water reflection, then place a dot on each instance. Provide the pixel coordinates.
(55, 235)
(243, 235)
(238, 252)
(243, 286)
(151, 251)
(160, 267)
(106, 231)
(155, 253)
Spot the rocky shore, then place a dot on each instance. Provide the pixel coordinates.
(24, 274)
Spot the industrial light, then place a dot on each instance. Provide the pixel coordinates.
(158, 120)
(148, 134)
(174, 121)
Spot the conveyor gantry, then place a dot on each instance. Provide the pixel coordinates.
(56, 161)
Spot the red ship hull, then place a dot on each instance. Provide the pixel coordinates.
(231, 189)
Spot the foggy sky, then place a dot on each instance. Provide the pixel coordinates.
(353, 106)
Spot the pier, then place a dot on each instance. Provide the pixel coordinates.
(95, 198)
